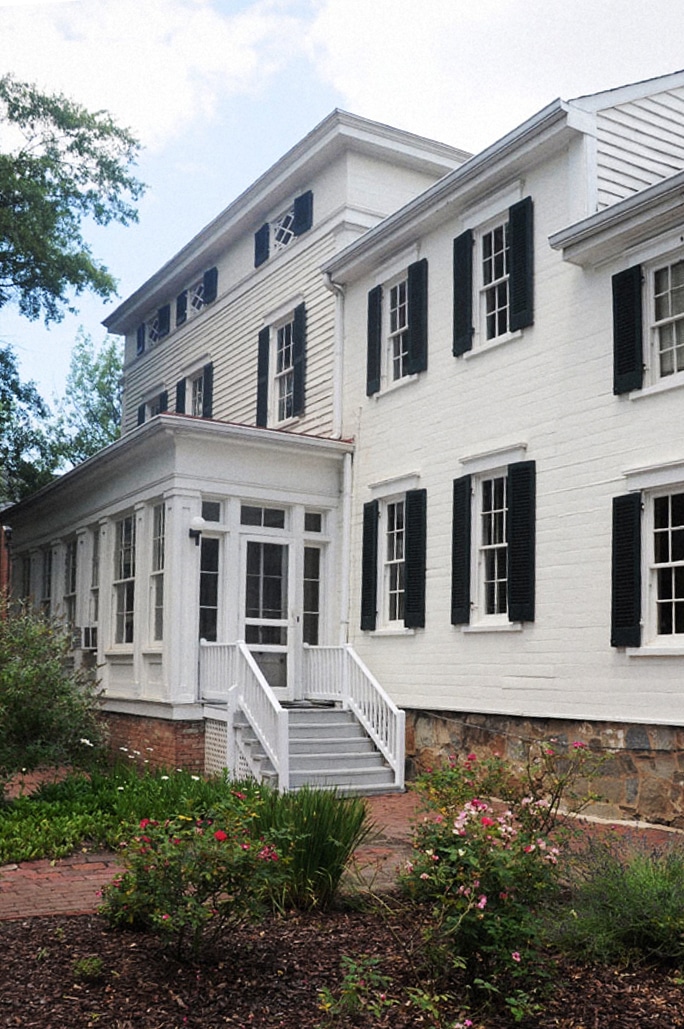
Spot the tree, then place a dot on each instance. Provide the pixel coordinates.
(27, 457)
(90, 413)
(68, 164)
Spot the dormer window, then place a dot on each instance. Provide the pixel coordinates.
(277, 234)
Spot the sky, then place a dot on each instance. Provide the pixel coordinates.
(217, 90)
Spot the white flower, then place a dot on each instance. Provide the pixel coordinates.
(86, 742)
(164, 777)
(195, 777)
(120, 788)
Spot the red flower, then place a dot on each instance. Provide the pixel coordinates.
(220, 835)
(487, 821)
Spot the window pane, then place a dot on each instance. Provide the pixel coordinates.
(313, 521)
(250, 515)
(274, 518)
(661, 512)
(211, 510)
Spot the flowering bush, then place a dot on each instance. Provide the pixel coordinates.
(486, 858)
(190, 879)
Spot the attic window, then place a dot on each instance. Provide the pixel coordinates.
(274, 236)
(282, 231)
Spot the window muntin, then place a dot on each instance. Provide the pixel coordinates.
(668, 564)
(393, 577)
(266, 593)
(95, 579)
(124, 579)
(494, 291)
(209, 589)
(397, 340)
(493, 546)
(157, 574)
(267, 517)
(668, 318)
(282, 230)
(70, 570)
(197, 395)
(312, 595)
(26, 568)
(284, 372)
(46, 583)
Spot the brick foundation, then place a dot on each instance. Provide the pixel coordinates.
(163, 743)
(642, 776)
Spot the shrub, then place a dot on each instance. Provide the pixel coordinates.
(48, 708)
(191, 880)
(625, 906)
(486, 860)
(317, 831)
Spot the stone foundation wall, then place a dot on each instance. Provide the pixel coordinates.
(163, 743)
(642, 776)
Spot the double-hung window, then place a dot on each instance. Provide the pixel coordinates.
(195, 392)
(70, 570)
(158, 404)
(493, 546)
(397, 328)
(648, 525)
(46, 583)
(648, 324)
(157, 574)
(493, 279)
(281, 369)
(124, 579)
(393, 562)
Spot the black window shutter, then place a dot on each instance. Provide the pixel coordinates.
(626, 572)
(180, 396)
(181, 307)
(210, 285)
(369, 566)
(208, 390)
(299, 359)
(628, 360)
(141, 414)
(417, 317)
(303, 213)
(463, 293)
(163, 401)
(521, 264)
(374, 358)
(414, 566)
(261, 241)
(140, 339)
(521, 540)
(460, 551)
(164, 320)
(262, 377)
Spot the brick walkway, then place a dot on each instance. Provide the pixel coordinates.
(72, 885)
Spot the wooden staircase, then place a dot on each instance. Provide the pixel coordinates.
(328, 747)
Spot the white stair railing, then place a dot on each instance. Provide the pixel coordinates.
(229, 674)
(339, 674)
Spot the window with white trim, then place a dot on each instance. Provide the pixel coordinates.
(392, 515)
(397, 328)
(279, 233)
(281, 368)
(494, 299)
(668, 318)
(492, 545)
(70, 570)
(194, 392)
(283, 375)
(124, 578)
(393, 562)
(46, 582)
(157, 573)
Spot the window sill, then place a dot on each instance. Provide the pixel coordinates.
(656, 650)
(493, 627)
(399, 631)
(491, 344)
(390, 387)
(124, 650)
(665, 385)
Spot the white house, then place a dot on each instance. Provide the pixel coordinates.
(473, 367)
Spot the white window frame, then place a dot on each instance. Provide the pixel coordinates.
(653, 325)
(158, 539)
(195, 390)
(395, 318)
(489, 536)
(70, 593)
(392, 562)
(95, 557)
(123, 581)
(281, 230)
(494, 281)
(281, 391)
(46, 581)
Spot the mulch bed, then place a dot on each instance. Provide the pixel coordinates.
(268, 977)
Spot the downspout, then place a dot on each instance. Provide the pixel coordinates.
(338, 354)
(337, 402)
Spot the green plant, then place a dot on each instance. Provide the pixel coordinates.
(48, 708)
(317, 831)
(625, 906)
(363, 989)
(191, 880)
(89, 969)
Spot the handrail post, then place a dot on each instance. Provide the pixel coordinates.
(231, 751)
(283, 749)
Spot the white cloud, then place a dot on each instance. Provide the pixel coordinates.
(157, 65)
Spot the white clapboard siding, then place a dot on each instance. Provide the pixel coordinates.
(639, 143)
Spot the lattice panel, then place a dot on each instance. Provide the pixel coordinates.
(215, 742)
